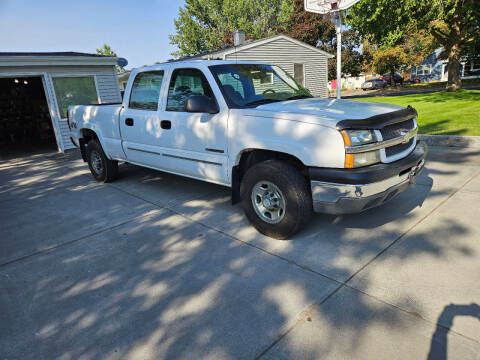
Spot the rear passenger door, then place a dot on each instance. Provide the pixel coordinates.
(140, 124)
(196, 144)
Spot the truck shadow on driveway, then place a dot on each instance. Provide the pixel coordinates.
(184, 274)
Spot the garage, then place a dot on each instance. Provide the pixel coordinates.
(36, 90)
(25, 122)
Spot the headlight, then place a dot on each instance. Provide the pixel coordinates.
(358, 137)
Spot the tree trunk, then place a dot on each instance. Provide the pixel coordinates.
(392, 77)
(454, 70)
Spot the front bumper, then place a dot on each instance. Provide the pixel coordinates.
(379, 184)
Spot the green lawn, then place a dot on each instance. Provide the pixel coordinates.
(442, 113)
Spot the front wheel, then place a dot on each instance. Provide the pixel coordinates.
(276, 198)
(102, 168)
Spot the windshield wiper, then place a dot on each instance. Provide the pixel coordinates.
(297, 97)
(261, 102)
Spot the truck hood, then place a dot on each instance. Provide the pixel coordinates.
(327, 112)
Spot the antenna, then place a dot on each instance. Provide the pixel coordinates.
(329, 7)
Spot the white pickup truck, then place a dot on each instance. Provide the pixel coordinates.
(251, 127)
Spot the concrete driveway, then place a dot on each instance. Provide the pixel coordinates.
(155, 266)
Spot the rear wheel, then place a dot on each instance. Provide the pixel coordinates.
(276, 198)
(102, 168)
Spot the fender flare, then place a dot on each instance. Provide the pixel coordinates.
(98, 134)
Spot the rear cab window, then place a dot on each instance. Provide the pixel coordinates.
(145, 92)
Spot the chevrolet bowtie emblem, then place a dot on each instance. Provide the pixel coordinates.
(406, 139)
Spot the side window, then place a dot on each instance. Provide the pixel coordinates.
(186, 82)
(146, 90)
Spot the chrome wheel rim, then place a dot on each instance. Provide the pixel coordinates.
(96, 161)
(268, 202)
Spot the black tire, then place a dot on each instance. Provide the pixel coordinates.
(102, 168)
(295, 190)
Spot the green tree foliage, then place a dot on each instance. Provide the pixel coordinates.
(451, 24)
(410, 50)
(455, 25)
(208, 24)
(388, 60)
(108, 51)
(382, 22)
(319, 31)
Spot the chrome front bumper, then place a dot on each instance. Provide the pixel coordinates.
(333, 198)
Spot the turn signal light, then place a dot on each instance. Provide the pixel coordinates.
(349, 158)
(346, 138)
(349, 161)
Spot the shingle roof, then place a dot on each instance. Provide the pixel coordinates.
(252, 43)
(63, 53)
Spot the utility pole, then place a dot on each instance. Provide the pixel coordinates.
(339, 53)
(335, 7)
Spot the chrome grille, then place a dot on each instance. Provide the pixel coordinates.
(396, 149)
(396, 130)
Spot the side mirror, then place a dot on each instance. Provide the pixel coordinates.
(201, 104)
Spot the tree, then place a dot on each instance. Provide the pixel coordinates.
(205, 25)
(108, 51)
(453, 24)
(319, 31)
(389, 60)
(412, 49)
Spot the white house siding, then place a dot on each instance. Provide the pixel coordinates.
(105, 78)
(285, 53)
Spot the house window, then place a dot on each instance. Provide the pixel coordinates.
(472, 68)
(267, 79)
(146, 90)
(69, 91)
(424, 69)
(299, 74)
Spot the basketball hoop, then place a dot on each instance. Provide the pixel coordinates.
(328, 7)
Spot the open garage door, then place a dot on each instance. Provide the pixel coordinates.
(25, 123)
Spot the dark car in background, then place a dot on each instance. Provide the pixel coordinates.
(396, 77)
(373, 84)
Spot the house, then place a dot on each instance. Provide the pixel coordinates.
(37, 88)
(435, 69)
(306, 64)
(123, 78)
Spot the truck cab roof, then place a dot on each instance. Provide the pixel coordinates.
(194, 63)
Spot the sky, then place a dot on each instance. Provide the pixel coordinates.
(136, 30)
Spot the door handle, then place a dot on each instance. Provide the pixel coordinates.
(129, 121)
(166, 124)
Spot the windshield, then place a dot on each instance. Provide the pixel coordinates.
(249, 85)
